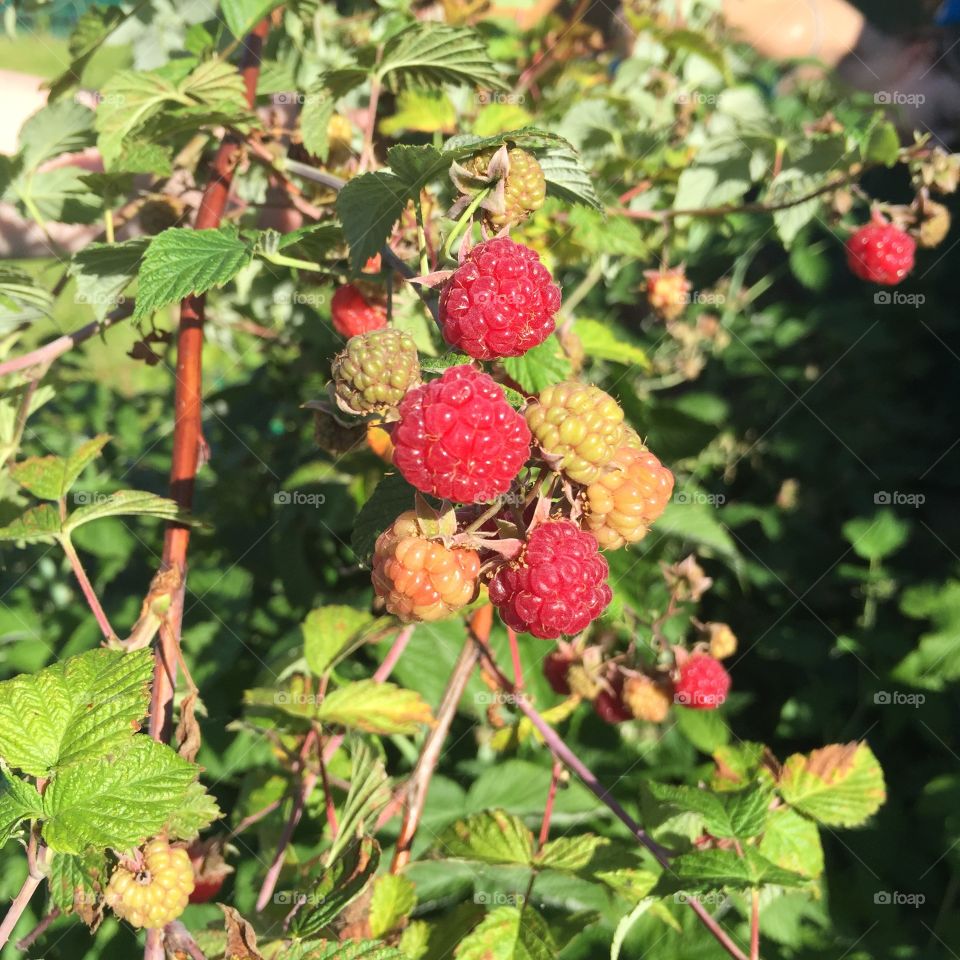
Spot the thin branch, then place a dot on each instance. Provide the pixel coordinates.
(25, 943)
(19, 904)
(154, 948)
(755, 925)
(180, 941)
(563, 753)
(419, 782)
(87, 587)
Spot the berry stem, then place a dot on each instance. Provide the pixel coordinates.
(284, 261)
(421, 237)
(564, 754)
(419, 782)
(87, 587)
(154, 948)
(755, 925)
(465, 218)
(515, 656)
(19, 904)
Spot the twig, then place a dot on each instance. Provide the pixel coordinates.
(370, 126)
(25, 943)
(548, 809)
(19, 904)
(562, 752)
(180, 940)
(515, 657)
(45, 355)
(187, 433)
(87, 587)
(154, 948)
(755, 925)
(419, 782)
(253, 818)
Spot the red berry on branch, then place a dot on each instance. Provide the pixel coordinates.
(555, 668)
(881, 253)
(557, 585)
(703, 683)
(500, 301)
(609, 705)
(353, 314)
(458, 438)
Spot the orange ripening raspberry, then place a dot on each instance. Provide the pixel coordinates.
(421, 579)
(668, 292)
(623, 501)
(158, 892)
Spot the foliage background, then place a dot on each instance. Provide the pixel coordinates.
(822, 401)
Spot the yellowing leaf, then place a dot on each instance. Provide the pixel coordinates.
(375, 708)
(840, 785)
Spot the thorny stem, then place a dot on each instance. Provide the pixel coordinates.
(188, 403)
(563, 753)
(87, 587)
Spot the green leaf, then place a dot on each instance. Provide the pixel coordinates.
(394, 897)
(123, 503)
(432, 54)
(102, 272)
(369, 206)
(58, 194)
(840, 785)
(877, 538)
(443, 362)
(181, 263)
(21, 300)
(195, 812)
(65, 127)
(242, 16)
(606, 341)
(320, 101)
(38, 525)
(733, 814)
(882, 144)
(338, 886)
(540, 367)
(696, 523)
(705, 729)
(369, 793)
(80, 709)
(50, 478)
(509, 933)
(570, 853)
(374, 708)
(19, 801)
(704, 870)
(420, 111)
(328, 630)
(117, 801)
(493, 836)
(69, 875)
(354, 950)
(392, 496)
(786, 187)
(626, 924)
(89, 32)
(793, 842)
(567, 178)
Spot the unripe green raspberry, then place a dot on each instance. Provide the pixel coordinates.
(579, 428)
(375, 371)
(525, 187)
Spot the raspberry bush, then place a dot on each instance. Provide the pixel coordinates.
(470, 515)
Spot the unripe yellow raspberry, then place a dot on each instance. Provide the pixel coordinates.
(647, 699)
(421, 579)
(627, 497)
(578, 426)
(158, 892)
(524, 188)
(723, 641)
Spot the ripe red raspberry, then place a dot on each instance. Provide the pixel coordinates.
(155, 893)
(881, 253)
(352, 313)
(499, 302)
(703, 683)
(418, 578)
(459, 439)
(557, 585)
(555, 667)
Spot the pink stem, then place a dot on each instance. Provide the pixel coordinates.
(87, 587)
(19, 904)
